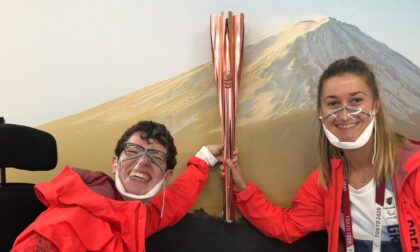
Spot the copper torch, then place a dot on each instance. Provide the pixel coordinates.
(227, 42)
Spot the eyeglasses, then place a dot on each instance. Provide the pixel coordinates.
(134, 151)
(350, 112)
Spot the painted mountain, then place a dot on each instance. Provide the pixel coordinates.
(277, 126)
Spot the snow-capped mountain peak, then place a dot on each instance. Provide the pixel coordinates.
(282, 69)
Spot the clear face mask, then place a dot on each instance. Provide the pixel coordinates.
(352, 113)
(122, 184)
(134, 156)
(151, 193)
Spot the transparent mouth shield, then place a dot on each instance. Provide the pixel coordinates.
(134, 152)
(350, 112)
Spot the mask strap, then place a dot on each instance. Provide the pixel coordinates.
(163, 200)
(374, 141)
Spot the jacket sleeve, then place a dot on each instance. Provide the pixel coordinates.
(178, 198)
(35, 242)
(413, 166)
(305, 215)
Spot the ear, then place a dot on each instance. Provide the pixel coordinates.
(377, 106)
(114, 164)
(320, 114)
(168, 175)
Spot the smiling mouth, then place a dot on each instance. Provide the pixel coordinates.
(140, 176)
(346, 126)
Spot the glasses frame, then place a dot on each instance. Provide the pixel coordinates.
(147, 152)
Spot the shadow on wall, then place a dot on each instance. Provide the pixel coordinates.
(202, 232)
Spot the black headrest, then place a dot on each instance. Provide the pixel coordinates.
(27, 148)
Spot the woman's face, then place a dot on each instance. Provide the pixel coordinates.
(351, 92)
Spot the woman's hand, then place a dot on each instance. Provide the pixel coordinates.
(238, 179)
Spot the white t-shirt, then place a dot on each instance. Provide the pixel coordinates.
(362, 207)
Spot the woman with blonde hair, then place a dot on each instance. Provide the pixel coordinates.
(366, 192)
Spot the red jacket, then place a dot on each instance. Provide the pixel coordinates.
(315, 208)
(83, 217)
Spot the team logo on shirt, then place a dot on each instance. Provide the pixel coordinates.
(390, 211)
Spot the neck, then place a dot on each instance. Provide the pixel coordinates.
(360, 159)
(359, 165)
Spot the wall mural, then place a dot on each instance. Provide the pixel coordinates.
(276, 126)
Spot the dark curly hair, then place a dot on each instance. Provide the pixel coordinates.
(151, 130)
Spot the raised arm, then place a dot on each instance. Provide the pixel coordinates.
(178, 199)
(286, 224)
